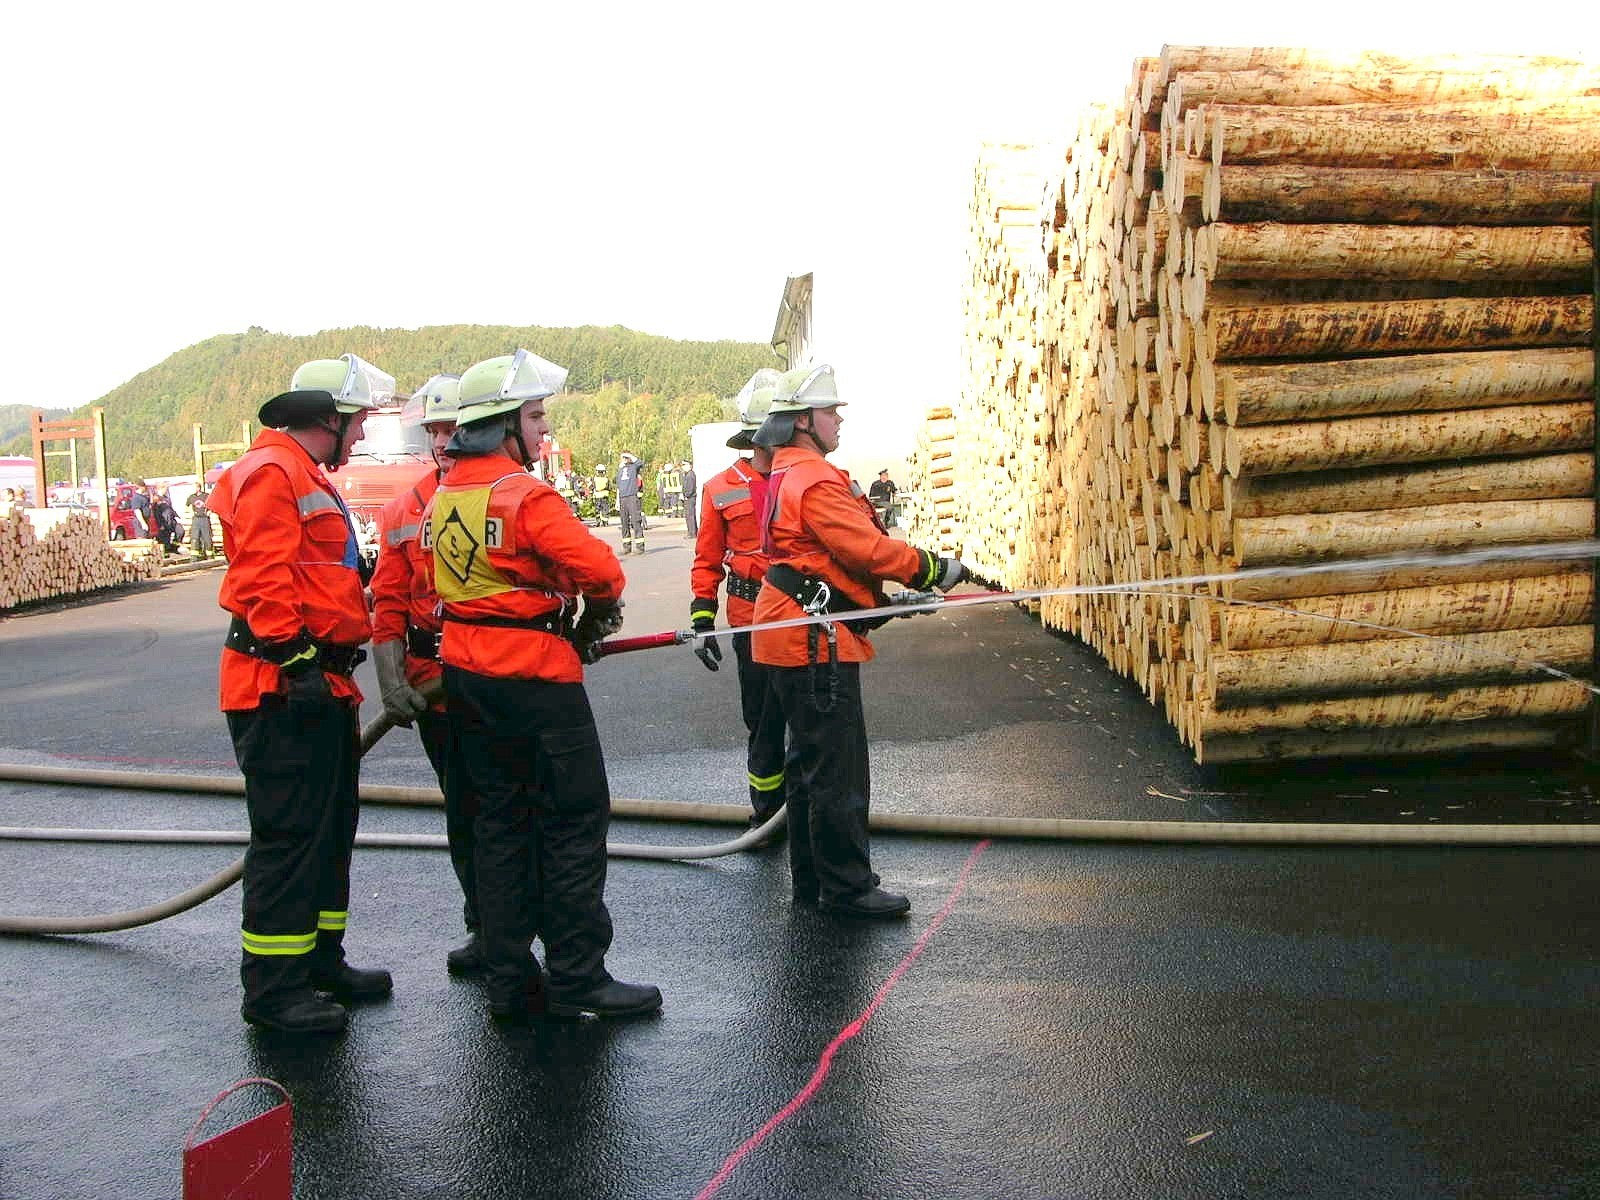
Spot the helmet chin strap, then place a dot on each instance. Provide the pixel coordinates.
(815, 440)
(514, 428)
(339, 431)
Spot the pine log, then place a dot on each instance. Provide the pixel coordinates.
(1281, 58)
(1477, 607)
(1532, 477)
(1239, 678)
(1411, 437)
(1540, 135)
(1366, 195)
(1262, 393)
(1501, 736)
(1269, 250)
(1400, 710)
(1294, 582)
(1394, 326)
(1439, 528)
(1299, 87)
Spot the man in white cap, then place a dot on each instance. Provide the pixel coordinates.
(828, 554)
(630, 502)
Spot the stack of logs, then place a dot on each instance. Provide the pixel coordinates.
(931, 506)
(66, 554)
(1277, 309)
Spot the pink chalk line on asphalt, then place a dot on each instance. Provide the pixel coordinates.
(825, 1063)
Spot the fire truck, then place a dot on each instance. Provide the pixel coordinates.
(390, 457)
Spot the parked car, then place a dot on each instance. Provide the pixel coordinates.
(124, 521)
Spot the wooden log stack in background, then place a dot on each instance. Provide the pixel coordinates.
(1277, 308)
(50, 553)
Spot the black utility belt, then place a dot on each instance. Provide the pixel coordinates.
(335, 657)
(422, 643)
(550, 622)
(810, 592)
(743, 587)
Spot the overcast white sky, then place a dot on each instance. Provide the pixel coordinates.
(178, 170)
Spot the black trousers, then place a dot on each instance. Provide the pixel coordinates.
(691, 516)
(632, 519)
(827, 782)
(301, 762)
(531, 755)
(763, 719)
(460, 807)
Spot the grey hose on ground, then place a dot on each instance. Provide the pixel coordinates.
(228, 876)
(926, 824)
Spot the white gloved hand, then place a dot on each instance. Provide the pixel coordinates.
(401, 702)
(951, 572)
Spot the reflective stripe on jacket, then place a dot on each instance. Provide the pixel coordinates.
(821, 524)
(292, 563)
(730, 537)
(521, 554)
(402, 585)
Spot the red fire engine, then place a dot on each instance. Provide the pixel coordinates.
(390, 458)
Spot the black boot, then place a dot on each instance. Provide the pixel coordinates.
(352, 984)
(465, 959)
(872, 904)
(611, 999)
(523, 1005)
(307, 1013)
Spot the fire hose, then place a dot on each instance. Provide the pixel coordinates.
(903, 605)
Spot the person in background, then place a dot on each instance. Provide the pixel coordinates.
(167, 528)
(630, 501)
(511, 565)
(200, 521)
(728, 549)
(140, 503)
(828, 553)
(881, 493)
(405, 645)
(294, 590)
(600, 493)
(673, 488)
(9, 502)
(691, 499)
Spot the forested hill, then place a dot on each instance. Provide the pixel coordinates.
(16, 423)
(223, 380)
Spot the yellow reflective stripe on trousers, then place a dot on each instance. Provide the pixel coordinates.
(333, 922)
(766, 783)
(277, 943)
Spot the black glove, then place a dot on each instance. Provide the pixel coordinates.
(303, 679)
(706, 648)
(598, 622)
(703, 619)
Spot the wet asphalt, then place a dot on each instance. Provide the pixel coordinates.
(1053, 1020)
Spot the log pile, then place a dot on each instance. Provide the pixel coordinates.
(49, 553)
(928, 506)
(1279, 308)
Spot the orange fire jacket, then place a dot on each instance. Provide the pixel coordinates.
(729, 541)
(292, 564)
(542, 553)
(822, 524)
(402, 585)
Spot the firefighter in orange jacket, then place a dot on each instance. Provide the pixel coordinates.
(405, 642)
(828, 554)
(510, 563)
(728, 546)
(294, 589)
